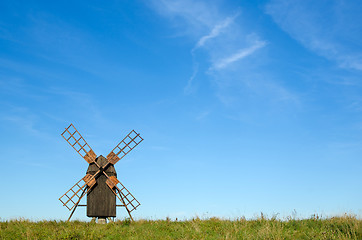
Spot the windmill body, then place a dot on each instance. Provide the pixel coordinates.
(101, 201)
(100, 182)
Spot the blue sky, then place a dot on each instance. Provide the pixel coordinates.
(245, 106)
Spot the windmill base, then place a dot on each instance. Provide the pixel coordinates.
(102, 220)
(94, 219)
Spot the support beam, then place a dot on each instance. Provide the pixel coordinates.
(76, 205)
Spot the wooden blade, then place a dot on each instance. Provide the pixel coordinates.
(124, 147)
(112, 181)
(122, 193)
(71, 197)
(90, 180)
(128, 199)
(73, 137)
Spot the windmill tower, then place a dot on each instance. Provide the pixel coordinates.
(100, 182)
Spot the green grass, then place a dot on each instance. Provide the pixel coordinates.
(345, 227)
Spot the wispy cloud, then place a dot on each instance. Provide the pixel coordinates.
(240, 54)
(202, 115)
(223, 33)
(333, 33)
(189, 86)
(221, 39)
(21, 117)
(25, 122)
(216, 30)
(197, 14)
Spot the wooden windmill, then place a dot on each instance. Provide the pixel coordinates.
(100, 182)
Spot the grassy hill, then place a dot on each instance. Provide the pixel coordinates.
(346, 227)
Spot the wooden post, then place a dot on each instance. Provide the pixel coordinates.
(76, 205)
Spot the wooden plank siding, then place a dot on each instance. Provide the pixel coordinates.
(101, 201)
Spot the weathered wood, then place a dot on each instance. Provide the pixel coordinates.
(101, 201)
(90, 156)
(88, 177)
(112, 158)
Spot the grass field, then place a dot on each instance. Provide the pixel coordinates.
(346, 227)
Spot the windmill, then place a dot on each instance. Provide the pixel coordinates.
(100, 182)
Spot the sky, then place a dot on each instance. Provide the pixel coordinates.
(244, 106)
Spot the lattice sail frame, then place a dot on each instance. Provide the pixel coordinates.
(73, 137)
(124, 147)
(122, 193)
(89, 182)
(130, 202)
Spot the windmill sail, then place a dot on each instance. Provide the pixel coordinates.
(124, 147)
(122, 193)
(73, 137)
(71, 197)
